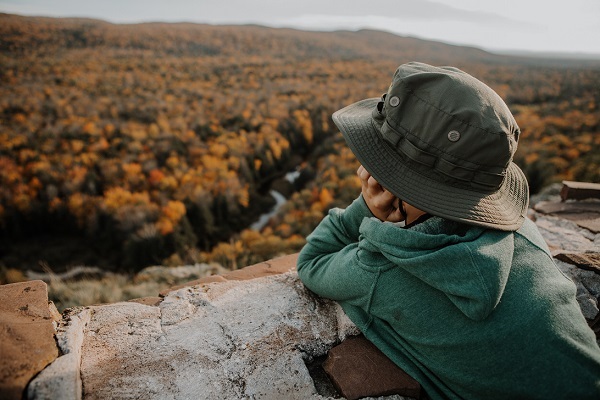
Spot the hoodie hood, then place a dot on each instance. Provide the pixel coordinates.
(469, 264)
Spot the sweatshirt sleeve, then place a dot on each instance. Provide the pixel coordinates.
(328, 264)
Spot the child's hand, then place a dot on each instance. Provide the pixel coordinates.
(383, 204)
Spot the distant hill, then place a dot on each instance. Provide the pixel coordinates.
(46, 35)
(552, 55)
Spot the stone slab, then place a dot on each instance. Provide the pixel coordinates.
(587, 261)
(359, 369)
(579, 190)
(27, 331)
(275, 266)
(563, 235)
(62, 378)
(571, 207)
(226, 340)
(586, 214)
(591, 224)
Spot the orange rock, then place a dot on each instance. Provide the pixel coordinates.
(27, 342)
(359, 369)
(275, 266)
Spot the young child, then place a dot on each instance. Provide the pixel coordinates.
(465, 297)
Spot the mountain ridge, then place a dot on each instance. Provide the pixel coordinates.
(24, 34)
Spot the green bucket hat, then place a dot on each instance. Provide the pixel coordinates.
(442, 141)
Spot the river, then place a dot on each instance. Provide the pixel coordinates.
(279, 202)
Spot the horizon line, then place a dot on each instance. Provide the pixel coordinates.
(562, 54)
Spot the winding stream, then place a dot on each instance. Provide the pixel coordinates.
(264, 218)
(279, 201)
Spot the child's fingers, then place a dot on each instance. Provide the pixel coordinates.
(363, 175)
(374, 186)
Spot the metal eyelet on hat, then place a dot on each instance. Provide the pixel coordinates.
(381, 104)
(394, 101)
(453, 136)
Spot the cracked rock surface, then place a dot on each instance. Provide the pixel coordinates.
(234, 339)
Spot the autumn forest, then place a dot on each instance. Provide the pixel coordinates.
(124, 146)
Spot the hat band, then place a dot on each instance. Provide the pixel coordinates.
(476, 178)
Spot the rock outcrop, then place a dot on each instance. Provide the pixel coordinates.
(227, 339)
(252, 333)
(27, 327)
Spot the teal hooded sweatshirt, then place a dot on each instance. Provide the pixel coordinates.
(469, 312)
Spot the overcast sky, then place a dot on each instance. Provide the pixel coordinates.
(536, 25)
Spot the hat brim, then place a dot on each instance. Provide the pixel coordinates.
(504, 209)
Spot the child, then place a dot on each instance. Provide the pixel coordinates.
(465, 297)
